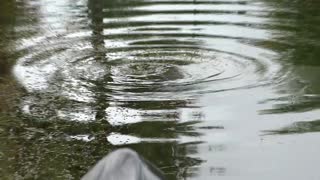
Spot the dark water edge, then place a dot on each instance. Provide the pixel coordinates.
(203, 89)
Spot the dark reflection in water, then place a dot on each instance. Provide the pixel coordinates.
(303, 52)
(7, 88)
(298, 127)
(190, 85)
(294, 103)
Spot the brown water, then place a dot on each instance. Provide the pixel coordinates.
(211, 89)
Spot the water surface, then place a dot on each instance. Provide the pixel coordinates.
(214, 89)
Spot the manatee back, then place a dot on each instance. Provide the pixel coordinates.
(123, 164)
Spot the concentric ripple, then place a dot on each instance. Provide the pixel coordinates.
(122, 54)
(151, 49)
(189, 84)
(131, 63)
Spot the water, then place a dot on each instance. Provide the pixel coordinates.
(215, 89)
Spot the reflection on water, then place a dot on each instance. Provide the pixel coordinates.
(191, 85)
(299, 127)
(301, 93)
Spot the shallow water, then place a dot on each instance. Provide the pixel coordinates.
(214, 89)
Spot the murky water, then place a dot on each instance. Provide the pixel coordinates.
(214, 89)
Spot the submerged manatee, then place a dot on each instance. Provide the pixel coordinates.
(123, 164)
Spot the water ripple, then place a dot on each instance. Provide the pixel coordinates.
(185, 77)
(173, 54)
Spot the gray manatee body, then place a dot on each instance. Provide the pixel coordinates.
(123, 164)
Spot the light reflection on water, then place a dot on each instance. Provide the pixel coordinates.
(198, 87)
